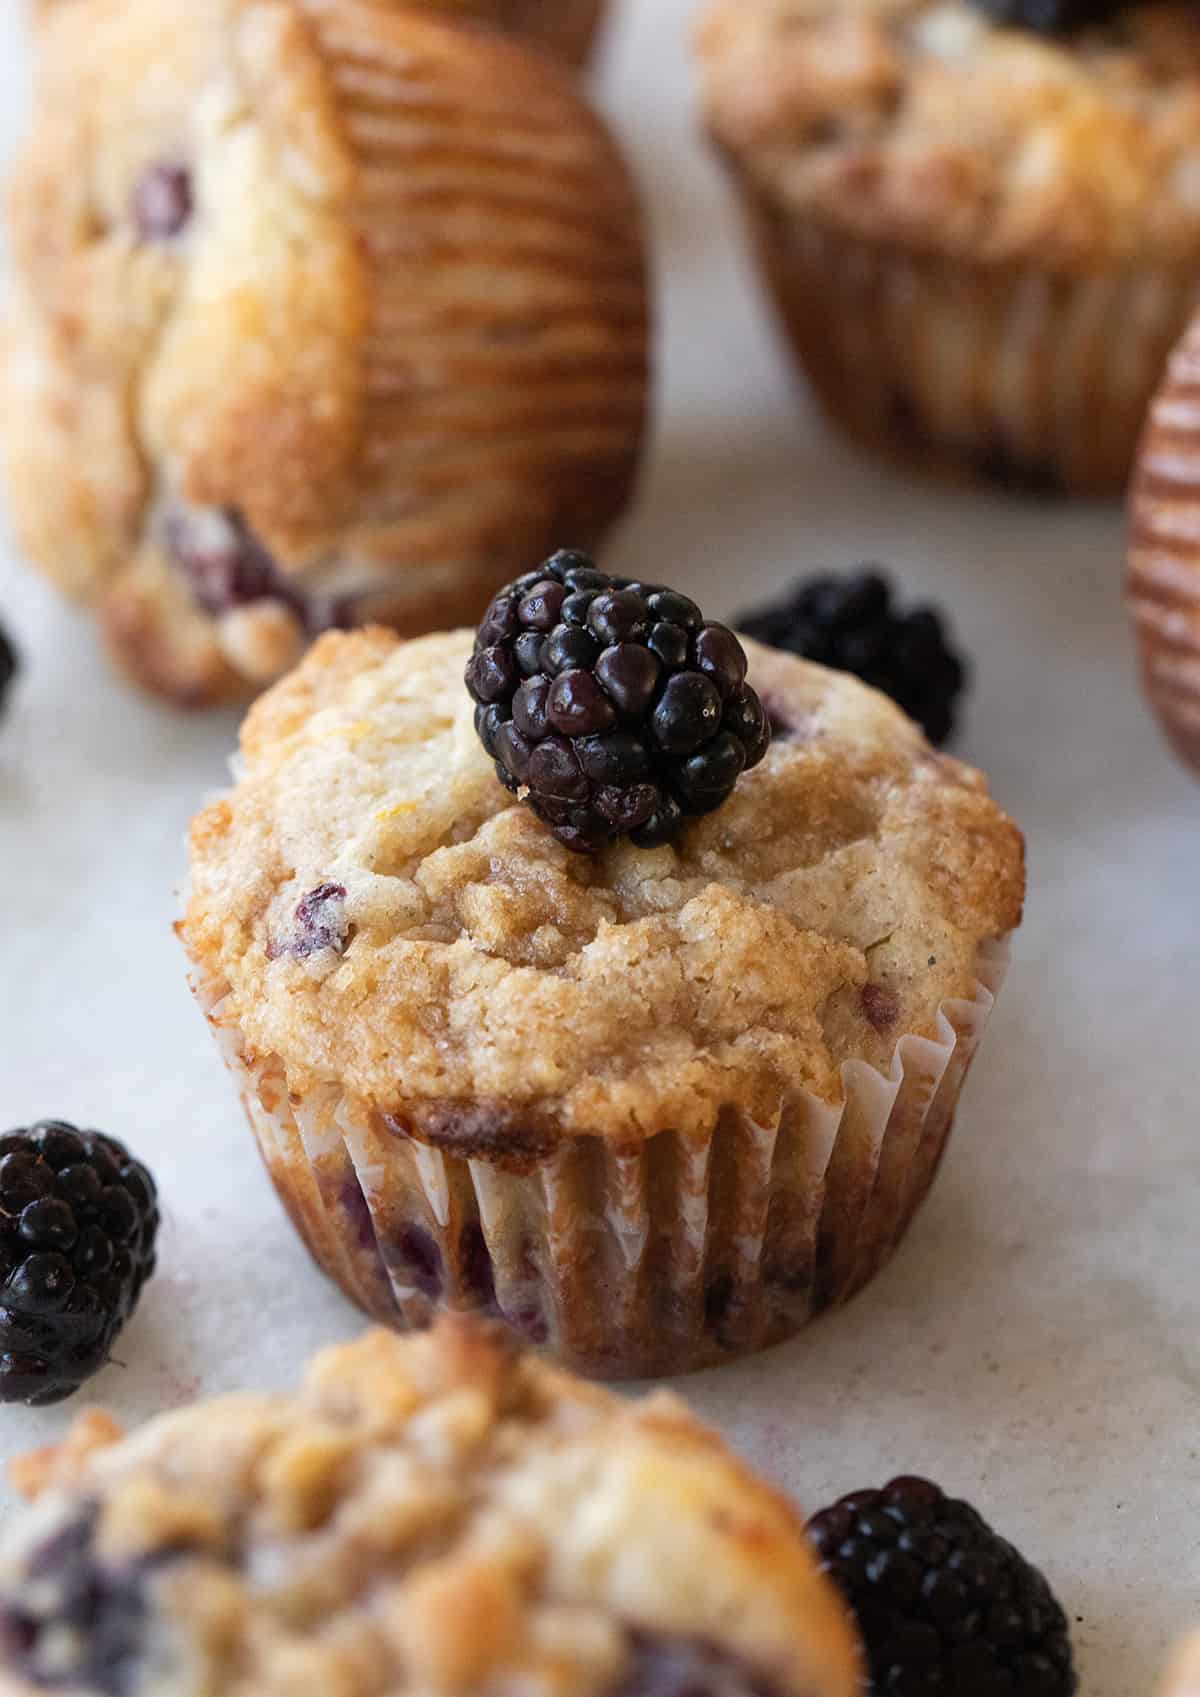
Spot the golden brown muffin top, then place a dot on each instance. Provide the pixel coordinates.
(386, 918)
(436, 1514)
(920, 122)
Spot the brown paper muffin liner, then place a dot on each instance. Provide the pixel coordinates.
(1002, 371)
(505, 358)
(1164, 551)
(671, 1255)
(566, 27)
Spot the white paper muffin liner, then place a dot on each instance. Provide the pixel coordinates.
(672, 1255)
(1006, 371)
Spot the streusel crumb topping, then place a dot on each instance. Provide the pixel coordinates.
(387, 918)
(436, 1514)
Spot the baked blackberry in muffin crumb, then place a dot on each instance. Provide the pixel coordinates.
(613, 707)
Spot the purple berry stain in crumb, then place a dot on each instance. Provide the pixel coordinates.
(162, 202)
(318, 923)
(419, 1259)
(72, 1619)
(880, 1005)
(227, 567)
(686, 1667)
(611, 707)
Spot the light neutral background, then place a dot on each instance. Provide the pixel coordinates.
(1036, 1344)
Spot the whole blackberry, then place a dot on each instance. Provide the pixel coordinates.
(78, 1220)
(1050, 17)
(945, 1607)
(8, 665)
(612, 707)
(852, 624)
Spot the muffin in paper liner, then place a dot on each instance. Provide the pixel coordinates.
(227, 446)
(441, 1513)
(1164, 551)
(1009, 373)
(687, 1252)
(653, 1107)
(982, 241)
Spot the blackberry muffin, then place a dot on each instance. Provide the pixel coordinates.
(565, 27)
(436, 1514)
(325, 312)
(654, 1106)
(1164, 551)
(978, 218)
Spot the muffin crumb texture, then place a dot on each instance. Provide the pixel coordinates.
(438, 1514)
(381, 915)
(922, 123)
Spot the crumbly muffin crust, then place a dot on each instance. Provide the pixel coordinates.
(473, 974)
(378, 357)
(438, 1514)
(920, 123)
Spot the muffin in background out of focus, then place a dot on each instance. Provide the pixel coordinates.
(566, 27)
(978, 218)
(325, 313)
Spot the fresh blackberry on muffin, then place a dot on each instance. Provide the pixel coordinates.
(853, 624)
(78, 1222)
(945, 1606)
(613, 707)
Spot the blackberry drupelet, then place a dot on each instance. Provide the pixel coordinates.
(1050, 17)
(945, 1607)
(853, 625)
(9, 665)
(78, 1220)
(612, 707)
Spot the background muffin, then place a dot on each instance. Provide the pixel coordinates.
(983, 241)
(566, 27)
(324, 312)
(437, 1514)
(655, 1107)
(1164, 551)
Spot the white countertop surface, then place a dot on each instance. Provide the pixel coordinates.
(1036, 1343)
